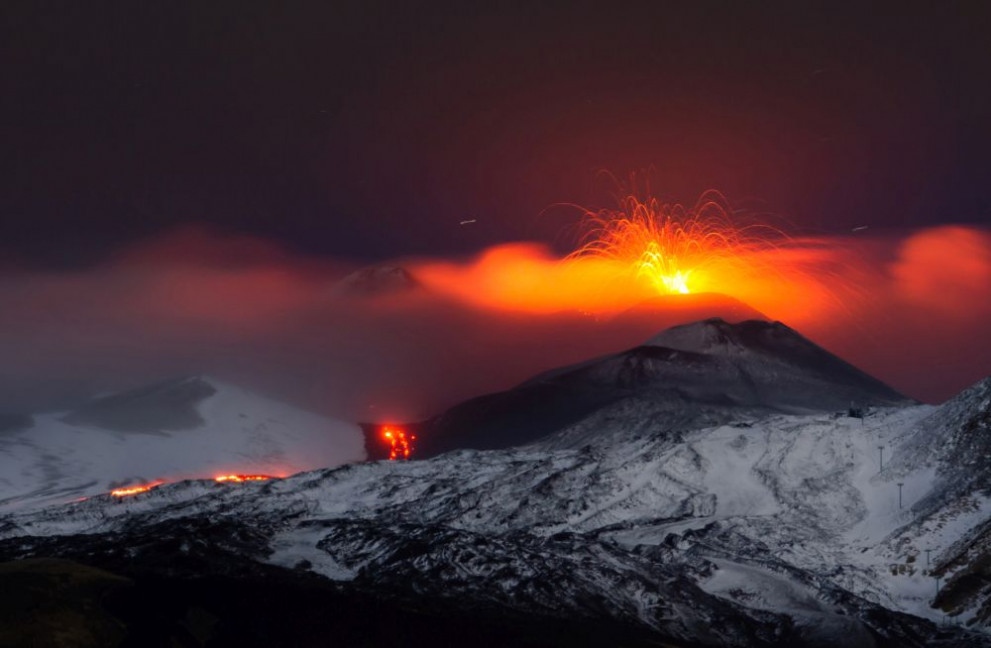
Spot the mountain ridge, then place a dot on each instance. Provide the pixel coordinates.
(755, 366)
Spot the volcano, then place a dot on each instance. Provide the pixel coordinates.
(704, 372)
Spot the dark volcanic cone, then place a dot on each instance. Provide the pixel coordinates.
(709, 371)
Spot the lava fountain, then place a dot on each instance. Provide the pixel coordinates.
(676, 250)
(399, 441)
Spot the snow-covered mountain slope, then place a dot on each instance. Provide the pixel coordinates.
(778, 530)
(701, 373)
(185, 428)
(785, 369)
(951, 522)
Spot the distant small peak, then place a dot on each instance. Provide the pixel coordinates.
(186, 381)
(206, 379)
(374, 281)
(165, 405)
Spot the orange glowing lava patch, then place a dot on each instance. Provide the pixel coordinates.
(134, 490)
(242, 478)
(400, 443)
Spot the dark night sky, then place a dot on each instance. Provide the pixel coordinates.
(368, 130)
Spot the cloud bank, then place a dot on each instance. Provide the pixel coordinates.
(912, 309)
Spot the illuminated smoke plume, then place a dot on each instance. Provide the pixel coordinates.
(644, 248)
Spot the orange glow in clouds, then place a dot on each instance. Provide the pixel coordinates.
(644, 249)
(942, 270)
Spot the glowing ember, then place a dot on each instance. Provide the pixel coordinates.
(242, 478)
(134, 490)
(400, 443)
(676, 250)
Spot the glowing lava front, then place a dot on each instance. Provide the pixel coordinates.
(242, 478)
(234, 478)
(400, 443)
(134, 490)
(675, 249)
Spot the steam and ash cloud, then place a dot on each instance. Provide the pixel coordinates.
(196, 301)
(921, 315)
(911, 309)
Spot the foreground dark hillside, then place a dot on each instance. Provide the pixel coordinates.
(59, 602)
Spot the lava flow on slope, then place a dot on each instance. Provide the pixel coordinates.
(236, 478)
(233, 478)
(134, 490)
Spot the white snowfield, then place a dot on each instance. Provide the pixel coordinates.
(786, 512)
(189, 428)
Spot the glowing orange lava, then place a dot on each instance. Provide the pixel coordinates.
(400, 443)
(143, 488)
(242, 478)
(134, 490)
